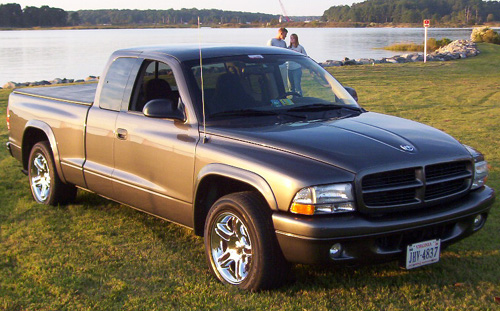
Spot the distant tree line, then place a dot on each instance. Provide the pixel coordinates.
(467, 12)
(170, 17)
(12, 15)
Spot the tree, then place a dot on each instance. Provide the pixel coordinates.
(74, 19)
(413, 11)
(11, 15)
(31, 16)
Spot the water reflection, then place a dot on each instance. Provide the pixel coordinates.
(75, 54)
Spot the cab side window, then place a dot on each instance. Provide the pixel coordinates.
(115, 82)
(155, 81)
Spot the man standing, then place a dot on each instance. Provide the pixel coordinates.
(279, 40)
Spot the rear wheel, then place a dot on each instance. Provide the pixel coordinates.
(241, 245)
(46, 187)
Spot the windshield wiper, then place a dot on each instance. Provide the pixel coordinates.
(321, 107)
(253, 113)
(244, 112)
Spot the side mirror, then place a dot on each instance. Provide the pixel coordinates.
(352, 91)
(163, 108)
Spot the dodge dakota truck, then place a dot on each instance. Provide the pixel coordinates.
(215, 139)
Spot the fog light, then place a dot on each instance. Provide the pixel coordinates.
(478, 221)
(336, 250)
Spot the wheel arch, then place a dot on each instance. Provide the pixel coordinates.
(36, 131)
(217, 180)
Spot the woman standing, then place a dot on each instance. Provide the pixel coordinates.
(294, 69)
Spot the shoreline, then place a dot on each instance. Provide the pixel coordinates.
(458, 49)
(311, 24)
(54, 82)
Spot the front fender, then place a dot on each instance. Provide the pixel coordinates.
(242, 175)
(239, 175)
(245, 176)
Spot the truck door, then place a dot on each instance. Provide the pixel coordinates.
(100, 131)
(154, 158)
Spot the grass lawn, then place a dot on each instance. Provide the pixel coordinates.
(98, 255)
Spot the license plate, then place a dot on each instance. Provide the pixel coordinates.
(423, 253)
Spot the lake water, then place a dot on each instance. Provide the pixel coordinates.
(74, 54)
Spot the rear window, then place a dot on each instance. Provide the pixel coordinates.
(115, 82)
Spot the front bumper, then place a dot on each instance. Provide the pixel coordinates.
(368, 239)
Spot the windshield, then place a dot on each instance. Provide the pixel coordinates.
(260, 86)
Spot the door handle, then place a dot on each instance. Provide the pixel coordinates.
(121, 134)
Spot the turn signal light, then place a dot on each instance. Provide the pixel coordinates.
(303, 209)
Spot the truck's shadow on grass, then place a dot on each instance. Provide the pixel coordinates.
(456, 269)
(452, 270)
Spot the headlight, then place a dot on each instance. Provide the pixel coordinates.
(328, 199)
(480, 168)
(480, 174)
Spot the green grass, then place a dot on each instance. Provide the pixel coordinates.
(98, 255)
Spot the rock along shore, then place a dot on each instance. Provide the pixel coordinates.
(457, 49)
(13, 85)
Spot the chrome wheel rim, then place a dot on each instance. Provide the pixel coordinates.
(231, 248)
(40, 178)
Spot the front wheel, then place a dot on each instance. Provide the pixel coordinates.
(241, 245)
(46, 187)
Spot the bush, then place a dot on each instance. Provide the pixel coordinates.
(406, 47)
(433, 44)
(485, 34)
(443, 42)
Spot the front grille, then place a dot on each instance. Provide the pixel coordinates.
(415, 185)
(437, 171)
(446, 179)
(444, 189)
(374, 181)
(384, 198)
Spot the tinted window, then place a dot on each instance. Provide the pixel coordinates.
(261, 86)
(155, 80)
(115, 83)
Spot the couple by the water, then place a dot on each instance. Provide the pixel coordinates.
(294, 69)
(279, 41)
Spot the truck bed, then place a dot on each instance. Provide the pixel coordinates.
(78, 93)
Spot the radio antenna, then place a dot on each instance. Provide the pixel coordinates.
(202, 87)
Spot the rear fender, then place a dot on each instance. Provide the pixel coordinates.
(47, 130)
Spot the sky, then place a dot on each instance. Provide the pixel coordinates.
(292, 7)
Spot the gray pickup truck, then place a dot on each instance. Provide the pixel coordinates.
(268, 172)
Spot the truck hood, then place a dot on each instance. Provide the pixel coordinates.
(367, 141)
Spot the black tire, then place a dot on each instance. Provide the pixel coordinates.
(241, 245)
(46, 187)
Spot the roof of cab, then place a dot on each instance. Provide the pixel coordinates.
(192, 52)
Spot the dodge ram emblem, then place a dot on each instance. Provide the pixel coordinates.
(408, 148)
